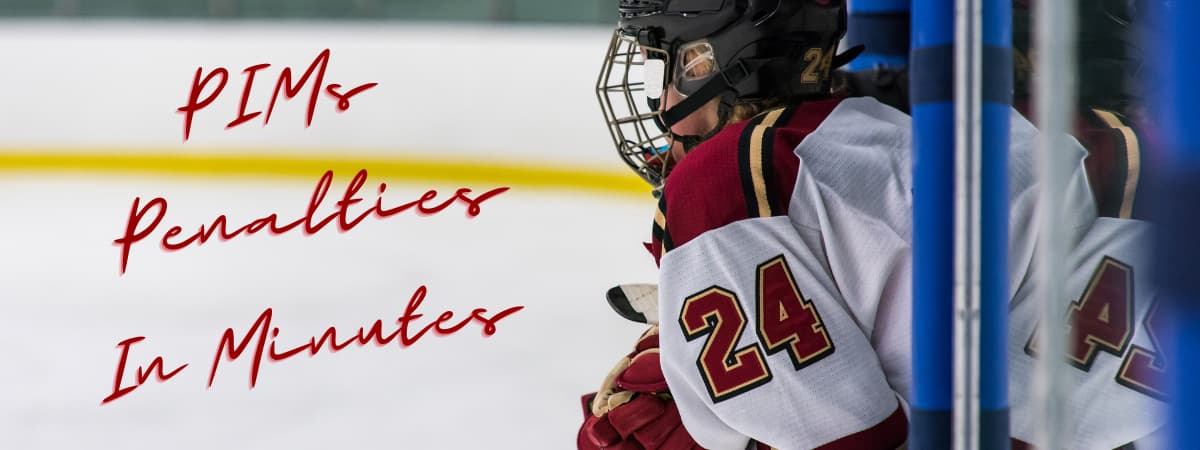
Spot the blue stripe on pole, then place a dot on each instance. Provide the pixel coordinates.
(994, 289)
(933, 272)
(929, 429)
(931, 69)
(932, 76)
(997, 75)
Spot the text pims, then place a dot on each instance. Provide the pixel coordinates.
(284, 85)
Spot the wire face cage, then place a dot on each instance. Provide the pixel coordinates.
(629, 89)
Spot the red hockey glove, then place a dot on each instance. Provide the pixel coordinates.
(633, 409)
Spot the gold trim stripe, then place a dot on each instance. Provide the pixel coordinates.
(756, 161)
(1133, 160)
(292, 166)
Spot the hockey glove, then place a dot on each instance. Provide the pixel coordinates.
(633, 408)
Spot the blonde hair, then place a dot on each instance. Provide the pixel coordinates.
(747, 110)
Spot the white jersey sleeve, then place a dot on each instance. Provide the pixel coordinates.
(760, 340)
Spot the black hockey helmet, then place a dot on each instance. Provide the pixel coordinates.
(749, 50)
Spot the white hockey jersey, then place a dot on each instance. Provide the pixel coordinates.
(785, 285)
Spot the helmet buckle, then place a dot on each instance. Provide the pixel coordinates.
(736, 73)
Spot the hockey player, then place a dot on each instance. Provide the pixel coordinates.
(761, 339)
(783, 240)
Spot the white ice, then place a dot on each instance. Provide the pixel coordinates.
(64, 307)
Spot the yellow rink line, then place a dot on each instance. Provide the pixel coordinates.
(310, 167)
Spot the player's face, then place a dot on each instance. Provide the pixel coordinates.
(698, 123)
(697, 64)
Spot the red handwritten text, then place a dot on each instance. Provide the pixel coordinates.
(265, 346)
(284, 85)
(262, 337)
(144, 219)
(143, 374)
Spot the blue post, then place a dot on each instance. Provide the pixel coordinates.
(882, 26)
(994, 295)
(932, 97)
(1175, 208)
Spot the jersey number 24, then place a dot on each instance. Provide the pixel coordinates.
(786, 322)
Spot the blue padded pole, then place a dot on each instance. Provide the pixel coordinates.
(932, 97)
(994, 290)
(882, 26)
(1175, 208)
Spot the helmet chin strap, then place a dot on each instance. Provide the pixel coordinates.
(724, 81)
(724, 110)
(720, 85)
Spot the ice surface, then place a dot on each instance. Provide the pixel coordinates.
(64, 307)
